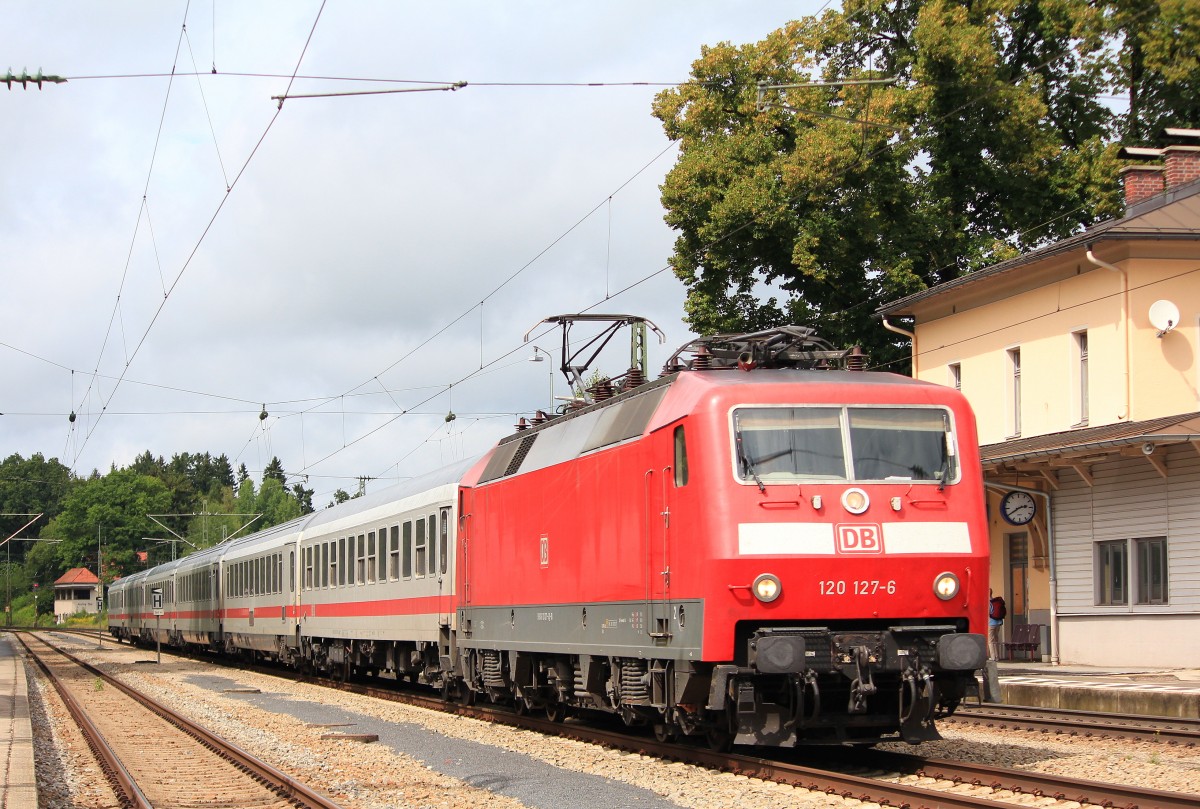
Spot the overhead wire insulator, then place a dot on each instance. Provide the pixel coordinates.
(24, 79)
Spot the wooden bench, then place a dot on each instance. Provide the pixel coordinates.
(1025, 638)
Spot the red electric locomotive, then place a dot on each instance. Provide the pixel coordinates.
(749, 548)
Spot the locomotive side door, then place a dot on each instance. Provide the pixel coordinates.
(658, 556)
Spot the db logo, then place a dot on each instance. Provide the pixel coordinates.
(859, 539)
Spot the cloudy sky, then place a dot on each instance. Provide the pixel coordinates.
(180, 254)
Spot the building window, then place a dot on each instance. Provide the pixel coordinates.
(1014, 365)
(1080, 372)
(1112, 564)
(956, 375)
(1151, 558)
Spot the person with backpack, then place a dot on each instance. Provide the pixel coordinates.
(997, 611)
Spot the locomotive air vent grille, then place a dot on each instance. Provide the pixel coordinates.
(520, 454)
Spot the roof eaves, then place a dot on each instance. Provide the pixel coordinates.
(1167, 430)
(1109, 230)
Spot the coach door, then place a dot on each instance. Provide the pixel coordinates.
(658, 557)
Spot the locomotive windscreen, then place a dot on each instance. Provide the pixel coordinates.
(844, 443)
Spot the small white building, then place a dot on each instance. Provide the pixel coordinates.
(75, 591)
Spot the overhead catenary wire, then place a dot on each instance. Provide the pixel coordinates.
(203, 235)
(607, 294)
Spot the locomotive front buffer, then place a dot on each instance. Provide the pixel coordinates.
(821, 685)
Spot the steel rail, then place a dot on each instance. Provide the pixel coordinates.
(1059, 787)
(1021, 782)
(294, 790)
(1168, 729)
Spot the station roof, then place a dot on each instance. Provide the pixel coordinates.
(77, 575)
(1090, 444)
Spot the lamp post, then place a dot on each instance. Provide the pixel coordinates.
(540, 355)
(99, 591)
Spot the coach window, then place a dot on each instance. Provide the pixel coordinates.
(433, 543)
(406, 545)
(420, 548)
(394, 554)
(345, 571)
(681, 462)
(307, 579)
(324, 565)
(383, 557)
(362, 559)
(291, 571)
(371, 556)
(444, 545)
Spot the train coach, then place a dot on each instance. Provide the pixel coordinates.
(748, 549)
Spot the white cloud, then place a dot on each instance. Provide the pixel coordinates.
(360, 228)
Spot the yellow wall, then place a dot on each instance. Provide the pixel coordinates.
(1041, 317)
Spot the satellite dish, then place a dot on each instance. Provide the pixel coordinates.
(1164, 316)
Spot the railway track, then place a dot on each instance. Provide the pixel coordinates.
(155, 757)
(878, 777)
(991, 786)
(1082, 724)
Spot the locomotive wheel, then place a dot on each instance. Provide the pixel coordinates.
(719, 740)
(556, 711)
(664, 733)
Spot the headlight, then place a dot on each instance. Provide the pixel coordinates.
(767, 588)
(855, 501)
(945, 586)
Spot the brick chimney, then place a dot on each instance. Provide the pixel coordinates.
(1182, 164)
(1182, 157)
(1141, 182)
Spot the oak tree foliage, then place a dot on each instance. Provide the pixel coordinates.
(815, 204)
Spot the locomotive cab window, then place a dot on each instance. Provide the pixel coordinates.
(681, 460)
(844, 443)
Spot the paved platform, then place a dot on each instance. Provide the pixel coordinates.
(16, 733)
(1132, 690)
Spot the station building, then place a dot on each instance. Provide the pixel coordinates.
(1081, 362)
(74, 592)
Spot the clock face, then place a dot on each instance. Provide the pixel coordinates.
(1018, 508)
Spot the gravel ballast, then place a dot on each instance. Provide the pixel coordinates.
(429, 759)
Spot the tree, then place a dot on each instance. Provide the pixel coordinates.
(276, 503)
(31, 486)
(824, 201)
(114, 507)
(1158, 63)
(274, 471)
(339, 496)
(304, 496)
